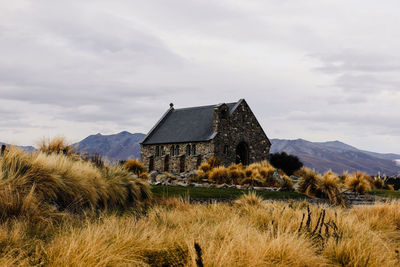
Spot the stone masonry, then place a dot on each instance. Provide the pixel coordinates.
(236, 137)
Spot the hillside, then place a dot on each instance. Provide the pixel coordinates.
(321, 156)
(337, 156)
(25, 148)
(121, 146)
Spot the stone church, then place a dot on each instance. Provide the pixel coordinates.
(184, 138)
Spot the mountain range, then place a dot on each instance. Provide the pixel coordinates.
(337, 156)
(321, 156)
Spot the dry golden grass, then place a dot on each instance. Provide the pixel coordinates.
(43, 185)
(359, 182)
(251, 232)
(134, 166)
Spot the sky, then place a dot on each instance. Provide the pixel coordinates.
(316, 70)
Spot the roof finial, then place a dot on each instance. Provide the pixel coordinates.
(171, 105)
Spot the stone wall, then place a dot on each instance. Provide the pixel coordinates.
(204, 151)
(241, 126)
(233, 129)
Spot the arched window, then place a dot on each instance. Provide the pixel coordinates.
(172, 150)
(157, 151)
(194, 149)
(188, 149)
(162, 151)
(177, 150)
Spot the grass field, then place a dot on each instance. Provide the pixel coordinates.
(385, 193)
(219, 193)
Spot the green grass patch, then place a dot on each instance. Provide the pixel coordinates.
(216, 193)
(385, 193)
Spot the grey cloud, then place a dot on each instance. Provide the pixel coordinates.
(350, 60)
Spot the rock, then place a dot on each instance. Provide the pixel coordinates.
(278, 177)
(182, 184)
(153, 175)
(221, 186)
(191, 175)
(161, 178)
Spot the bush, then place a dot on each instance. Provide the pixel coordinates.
(378, 183)
(287, 184)
(287, 163)
(330, 187)
(214, 162)
(47, 184)
(57, 145)
(205, 167)
(309, 182)
(219, 175)
(359, 182)
(134, 166)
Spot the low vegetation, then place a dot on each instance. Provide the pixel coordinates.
(58, 209)
(249, 232)
(255, 174)
(55, 180)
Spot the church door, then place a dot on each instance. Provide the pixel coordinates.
(242, 153)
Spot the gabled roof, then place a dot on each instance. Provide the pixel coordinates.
(183, 125)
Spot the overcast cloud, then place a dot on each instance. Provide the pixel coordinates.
(318, 70)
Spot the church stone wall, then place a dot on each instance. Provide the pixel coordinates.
(233, 129)
(204, 151)
(241, 126)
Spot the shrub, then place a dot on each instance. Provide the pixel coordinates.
(48, 184)
(309, 182)
(205, 167)
(134, 166)
(288, 163)
(378, 183)
(330, 187)
(56, 145)
(214, 162)
(359, 182)
(287, 183)
(250, 198)
(219, 175)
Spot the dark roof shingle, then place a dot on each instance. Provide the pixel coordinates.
(193, 124)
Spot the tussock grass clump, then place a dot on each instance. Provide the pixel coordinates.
(134, 166)
(57, 145)
(359, 182)
(219, 175)
(309, 182)
(250, 198)
(330, 186)
(44, 184)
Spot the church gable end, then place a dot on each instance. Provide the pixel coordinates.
(184, 138)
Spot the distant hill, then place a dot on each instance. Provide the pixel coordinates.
(121, 146)
(337, 156)
(320, 156)
(25, 148)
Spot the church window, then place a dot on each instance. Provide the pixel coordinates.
(194, 149)
(188, 149)
(172, 150)
(177, 150)
(157, 151)
(162, 151)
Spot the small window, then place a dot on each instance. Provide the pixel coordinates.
(162, 151)
(194, 149)
(157, 151)
(226, 149)
(172, 150)
(177, 152)
(188, 149)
